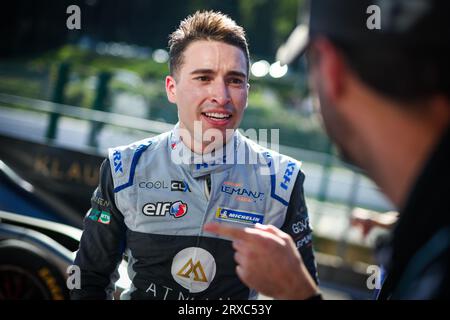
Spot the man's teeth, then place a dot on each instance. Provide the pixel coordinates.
(217, 115)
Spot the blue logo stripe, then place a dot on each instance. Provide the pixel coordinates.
(137, 154)
(273, 181)
(272, 191)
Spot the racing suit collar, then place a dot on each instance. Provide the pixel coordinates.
(202, 164)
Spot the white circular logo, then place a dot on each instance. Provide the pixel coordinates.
(194, 269)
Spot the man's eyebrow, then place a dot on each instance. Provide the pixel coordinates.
(210, 71)
(202, 71)
(237, 73)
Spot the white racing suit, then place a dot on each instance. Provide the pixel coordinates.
(152, 208)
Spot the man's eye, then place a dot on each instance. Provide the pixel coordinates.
(236, 81)
(203, 78)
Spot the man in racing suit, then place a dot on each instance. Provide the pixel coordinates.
(152, 204)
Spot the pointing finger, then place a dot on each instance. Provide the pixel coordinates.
(227, 231)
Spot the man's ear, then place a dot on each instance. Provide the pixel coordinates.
(332, 69)
(171, 89)
(248, 89)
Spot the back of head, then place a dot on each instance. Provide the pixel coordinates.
(400, 48)
(205, 25)
(407, 59)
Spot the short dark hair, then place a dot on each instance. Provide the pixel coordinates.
(205, 25)
(404, 73)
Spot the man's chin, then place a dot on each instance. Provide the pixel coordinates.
(217, 136)
(219, 133)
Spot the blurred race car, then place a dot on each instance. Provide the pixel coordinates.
(39, 236)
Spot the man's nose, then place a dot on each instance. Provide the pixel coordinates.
(220, 93)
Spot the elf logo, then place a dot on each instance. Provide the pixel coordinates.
(177, 209)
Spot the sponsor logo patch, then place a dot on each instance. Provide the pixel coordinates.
(241, 193)
(117, 157)
(301, 226)
(175, 185)
(153, 185)
(179, 186)
(176, 209)
(239, 216)
(100, 201)
(194, 269)
(100, 216)
(288, 175)
(304, 241)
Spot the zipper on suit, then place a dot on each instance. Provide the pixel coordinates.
(207, 187)
(207, 190)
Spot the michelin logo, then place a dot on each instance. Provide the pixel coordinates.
(231, 215)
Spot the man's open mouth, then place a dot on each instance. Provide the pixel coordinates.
(216, 116)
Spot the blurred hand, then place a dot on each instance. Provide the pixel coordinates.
(268, 261)
(366, 224)
(367, 220)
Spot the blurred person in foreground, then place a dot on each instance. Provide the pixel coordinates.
(384, 97)
(156, 195)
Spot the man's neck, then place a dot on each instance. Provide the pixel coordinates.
(200, 147)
